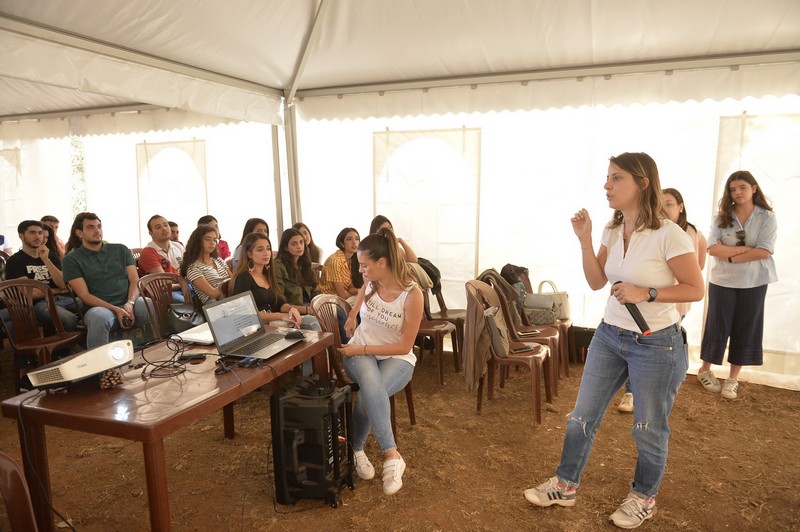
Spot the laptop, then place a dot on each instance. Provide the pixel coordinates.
(238, 332)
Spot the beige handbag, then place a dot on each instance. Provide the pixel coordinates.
(560, 300)
(498, 331)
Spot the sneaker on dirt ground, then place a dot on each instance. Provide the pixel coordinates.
(550, 493)
(709, 381)
(393, 475)
(730, 390)
(633, 511)
(364, 467)
(626, 404)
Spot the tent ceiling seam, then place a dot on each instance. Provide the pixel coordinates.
(603, 70)
(86, 111)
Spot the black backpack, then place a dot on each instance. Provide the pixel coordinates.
(433, 272)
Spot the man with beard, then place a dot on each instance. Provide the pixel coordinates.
(104, 277)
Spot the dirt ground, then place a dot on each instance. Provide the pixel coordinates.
(732, 466)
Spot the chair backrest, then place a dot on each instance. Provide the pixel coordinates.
(325, 308)
(16, 496)
(136, 252)
(158, 287)
(18, 295)
(510, 296)
(509, 312)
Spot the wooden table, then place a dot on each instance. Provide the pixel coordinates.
(147, 410)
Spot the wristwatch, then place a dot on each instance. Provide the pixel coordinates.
(653, 294)
(132, 302)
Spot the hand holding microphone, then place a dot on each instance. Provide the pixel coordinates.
(637, 317)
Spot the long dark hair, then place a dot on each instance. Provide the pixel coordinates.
(725, 214)
(314, 250)
(651, 204)
(377, 222)
(383, 245)
(248, 244)
(194, 247)
(300, 273)
(51, 243)
(250, 225)
(74, 241)
(683, 221)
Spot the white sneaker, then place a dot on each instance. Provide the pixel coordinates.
(364, 467)
(709, 381)
(393, 475)
(730, 389)
(626, 403)
(633, 511)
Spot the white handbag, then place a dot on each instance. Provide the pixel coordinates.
(560, 300)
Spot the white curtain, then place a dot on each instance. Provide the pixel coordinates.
(188, 166)
(536, 168)
(35, 173)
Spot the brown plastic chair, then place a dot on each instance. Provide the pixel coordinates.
(324, 306)
(16, 496)
(455, 316)
(29, 338)
(136, 252)
(537, 359)
(436, 330)
(562, 325)
(159, 287)
(519, 328)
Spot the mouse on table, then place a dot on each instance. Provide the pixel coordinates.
(295, 334)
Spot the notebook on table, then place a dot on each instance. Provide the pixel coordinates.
(237, 329)
(198, 335)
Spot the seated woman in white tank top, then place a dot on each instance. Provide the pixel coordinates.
(380, 356)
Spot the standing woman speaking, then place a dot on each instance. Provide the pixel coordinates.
(380, 356)
(650, 263)
(742, 241)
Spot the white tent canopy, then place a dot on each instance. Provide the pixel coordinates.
(235, 59)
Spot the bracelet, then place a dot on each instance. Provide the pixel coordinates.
(365, 350)
(730, 259)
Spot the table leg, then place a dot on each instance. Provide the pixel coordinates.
(227, 421)
(32, 437)
(155, 467)
(319, 364)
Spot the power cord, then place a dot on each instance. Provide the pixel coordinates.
(170, 367)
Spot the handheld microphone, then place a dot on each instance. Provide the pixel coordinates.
(637, 317)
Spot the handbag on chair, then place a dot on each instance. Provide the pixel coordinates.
(182, 317)
(498, 331)
(560, 300)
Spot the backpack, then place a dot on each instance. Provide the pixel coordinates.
(433, 272)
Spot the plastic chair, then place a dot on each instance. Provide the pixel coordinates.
(457, 317)
(537, 359)
(29, 338)
(325, 306)
(436, 330)
(159, 287)
(520, 330)
(16, 496)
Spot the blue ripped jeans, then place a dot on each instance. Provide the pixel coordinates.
(656, 366)
(377, 380)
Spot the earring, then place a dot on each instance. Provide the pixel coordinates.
(250, 265)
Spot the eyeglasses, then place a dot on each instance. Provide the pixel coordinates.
(740, 236)
(209, 239)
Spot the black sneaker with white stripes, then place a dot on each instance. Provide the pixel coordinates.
(550, 493)
(633, 511)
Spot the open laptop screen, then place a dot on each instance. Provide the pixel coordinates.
(233, 318)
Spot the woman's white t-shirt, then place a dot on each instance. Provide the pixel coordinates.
(645, 264)
(382, 323)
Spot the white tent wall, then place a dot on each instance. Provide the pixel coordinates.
(537, 168)
(35, 169)
(236, 167)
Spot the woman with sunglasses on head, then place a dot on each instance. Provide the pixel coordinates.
(202, 265)
(650, 264)
(380, 355)
(742, 241)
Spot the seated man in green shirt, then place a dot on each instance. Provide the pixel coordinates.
(104, 277)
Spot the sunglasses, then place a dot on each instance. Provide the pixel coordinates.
(740, 236)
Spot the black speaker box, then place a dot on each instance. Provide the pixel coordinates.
(579, 340)
(311, 434)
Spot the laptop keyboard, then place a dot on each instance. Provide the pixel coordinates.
(253, 347)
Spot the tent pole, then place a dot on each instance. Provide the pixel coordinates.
(290, 132)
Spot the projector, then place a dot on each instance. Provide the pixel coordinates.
(74, 368)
